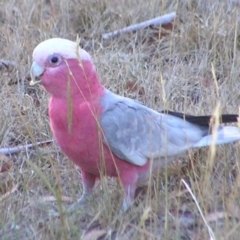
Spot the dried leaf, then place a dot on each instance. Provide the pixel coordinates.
(177, 193)
(185, 218)
(5, 163)
(215, 216)
(134, 87)
(94, 234)
(6, 182)
(206, 82)
(233, 210)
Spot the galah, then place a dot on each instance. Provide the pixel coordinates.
(107, 134)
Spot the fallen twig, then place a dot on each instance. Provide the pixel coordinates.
(158, 21)
(13, 150)
(6, 64)
(54, 199)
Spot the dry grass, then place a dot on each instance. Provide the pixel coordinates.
(192, 69)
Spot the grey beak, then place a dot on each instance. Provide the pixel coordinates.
(36, 72)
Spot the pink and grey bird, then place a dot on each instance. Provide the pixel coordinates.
(104, 133)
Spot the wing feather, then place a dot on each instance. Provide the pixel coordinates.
(136, 133)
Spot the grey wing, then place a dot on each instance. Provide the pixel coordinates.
(136, 133)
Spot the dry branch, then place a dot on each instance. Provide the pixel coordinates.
(6, 64)
(13, 150)
(155, 22)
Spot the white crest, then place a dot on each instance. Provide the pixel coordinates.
(64, 47)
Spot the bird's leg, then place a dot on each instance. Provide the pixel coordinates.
(88, 181)
(129, 182)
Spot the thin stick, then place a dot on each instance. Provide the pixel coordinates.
(158, 21)
(6, 64)
(13, 150)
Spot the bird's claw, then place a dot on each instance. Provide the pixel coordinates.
(127, 203)
(81, 202)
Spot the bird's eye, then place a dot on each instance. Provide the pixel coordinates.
(54, 59)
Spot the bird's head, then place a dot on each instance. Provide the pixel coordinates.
(64, 69)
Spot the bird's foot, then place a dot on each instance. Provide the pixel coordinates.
(127, 203)
(82, 202)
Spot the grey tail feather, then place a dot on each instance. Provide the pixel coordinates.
(226, 134)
